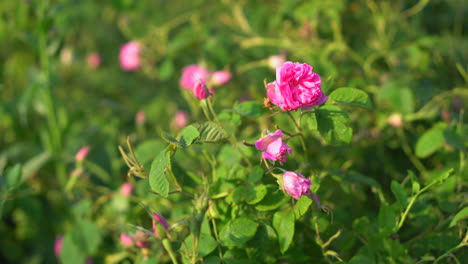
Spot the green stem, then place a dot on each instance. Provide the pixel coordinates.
(409, 153)
(167, 245)
(298, 130)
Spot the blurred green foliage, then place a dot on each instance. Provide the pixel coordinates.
(388, 157)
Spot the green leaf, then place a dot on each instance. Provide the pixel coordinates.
(243, 193)
(238, 232)
(400, 194)
(260, 193)
(34, 164)
(302, 205)
(459, 216)
(415, 186)
(206, 244)
(272, 200)
(284, 226)
(250, 109)
(430, 141)
(166, 69)
(210, 132)
(387, 219)
(13, 176)
(256, 174)
(145, 151)
(71, 252)
(171, 140)
(157, 177)
(188, 136)
(350, 96)
(333, 125)
(81, 241)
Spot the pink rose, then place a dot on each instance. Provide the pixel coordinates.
(81, 154)
(93, 60)
(126, 240)
(130, 56)
(126, 189)
(58, 245)
(296, 86)
(275, 148)
(161, 220)
(296, 184)
(220, 77)
(200, 91)
(141, 240)
(181, 118)
(192, 73)
(140, 118)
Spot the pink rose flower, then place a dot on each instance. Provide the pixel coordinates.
(220, 77)
(130, 56)
(274, 147)
(126, 240)
(81, 154)
(141, 240)
(181, 118)
(296, 184)
(296, 86)
(58, 245)
(200, 91)
(126, 189)
(93, 60)
(191, 74)
(161, 220)
(140, 118)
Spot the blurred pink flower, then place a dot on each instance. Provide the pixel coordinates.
(274, 147)
(140, 118)
(181, 118)
(262, 143)
(395, 120)
(296, 184)
(58, 245)
(93, 60)
(199, 90)
(126, 240)
(220, 77)
(161, 220)
(141, 240)
(191, 74)
(130, 56)
(126, 189)
(81, 154)
(296, 86)
(89, 260)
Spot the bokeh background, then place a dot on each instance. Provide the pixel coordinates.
(410, 56)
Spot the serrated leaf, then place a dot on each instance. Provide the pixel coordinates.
(172, 140)
(350, 96)
(250, 109)
(256, 174)
(400, 194)
(146, 150)
(333, 125)
(284, 226)
(459, 216)
(210, 132)
(387, 219)
(302, 205)
(260, 192)
(238, 232)
(157, 178)
(188, 136)
(272, 200)
(430, 141)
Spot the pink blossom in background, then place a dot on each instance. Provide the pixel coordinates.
(395, 120)
(296, 86)
(155, 230)
(191, 74)
(130, 56)
(274, 147)
(89, 260)
(58, 245)
(81, 154)
(140, 118)
(276, 61)
(296, 184)
(126, 189)
(200, 91)
(141, 240)
(126, 240)
(93, 60)
(220, 77)
(181, 118)
(161, 220)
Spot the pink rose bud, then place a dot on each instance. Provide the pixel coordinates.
(126, 189)
(58, 245)
(296, 86)
(220, 77)
(130, 56)
(93, 60)
(161, 220)
(296, 184)
(141, 240)
(276, 61)
(275, 148)
(181, 118)
(200, 91)
(155, 230)
(126, 240)
(395, 120)
(190, 75)
(140, 118)
(81, 154)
